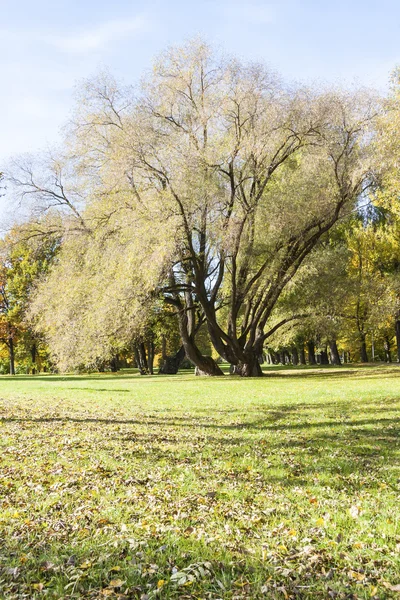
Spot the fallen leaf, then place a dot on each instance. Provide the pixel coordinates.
(116, 583)
(354, 512)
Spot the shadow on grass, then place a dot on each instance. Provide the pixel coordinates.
(280, 371)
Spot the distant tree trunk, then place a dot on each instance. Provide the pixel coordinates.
(33, 357)
(171, 364)
(363, 348)
(163, 347)
(398, 338)
(114, 364)
(150, 354)
(139, 352)
(388, 354)
(11, 355)
(335, 358)
(324, 357)
(311, 353)
(302, 354)
(143, 358)
(295, 356)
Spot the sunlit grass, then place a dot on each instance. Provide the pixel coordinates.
(183, 487)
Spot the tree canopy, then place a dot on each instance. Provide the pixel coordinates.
(209, 189)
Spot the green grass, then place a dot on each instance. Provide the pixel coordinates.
(182, 487)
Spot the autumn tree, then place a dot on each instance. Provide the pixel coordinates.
(241, 173)
(24, 258)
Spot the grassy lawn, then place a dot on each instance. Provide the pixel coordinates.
(123, 486)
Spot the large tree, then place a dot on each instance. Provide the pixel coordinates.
(244, 174)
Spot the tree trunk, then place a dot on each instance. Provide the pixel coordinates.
(150, 354)
(33, 357)
(295, 356)
(171, 364)
(139, 352)
(114, 364)
(324, 357)
(335, 358)
(302, 354)
(388, 354)
(363, 348)
(143, 358)
(398, 339)
(205, 365)
(250, 367)
(163, 347)
(311, 353)
(11, 355)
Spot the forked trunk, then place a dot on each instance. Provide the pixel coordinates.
(250, 367)
(171, 364)
(205, 365)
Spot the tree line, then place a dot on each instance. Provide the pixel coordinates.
(213, 213)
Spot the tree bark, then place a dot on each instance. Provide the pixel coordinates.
(250, 367)
(295, 356)
(150, 354)
(324, 357)
(388, 354)
(33, 356)
(11, 355)
(115, 364)
(171, 364)
(363, 348)
(302, 354)
(335, 358)
(163, 347)
(139, 352)
(398, 338)
(311, 353)
(205, 365)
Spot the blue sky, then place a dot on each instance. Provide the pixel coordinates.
(47, 46)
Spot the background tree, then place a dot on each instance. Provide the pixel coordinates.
(24, 259)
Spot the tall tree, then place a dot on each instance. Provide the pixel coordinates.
(243, 173)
